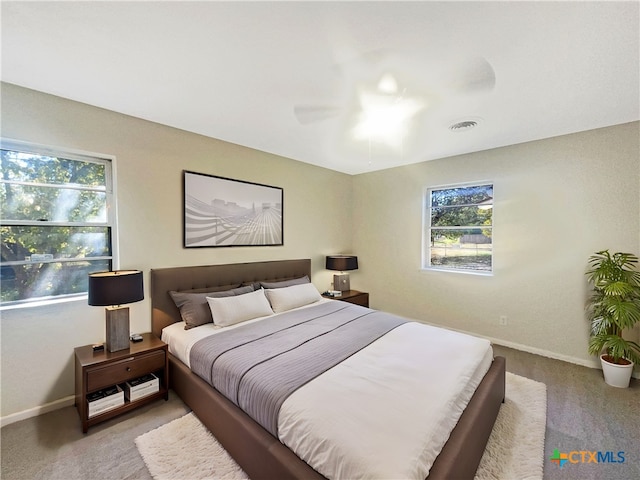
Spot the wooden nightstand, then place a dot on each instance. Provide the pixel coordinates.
(102, 369)
(353, 296)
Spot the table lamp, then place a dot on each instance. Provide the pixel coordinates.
(113, 289)
(341, 263)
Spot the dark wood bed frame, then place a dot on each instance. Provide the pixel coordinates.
(259, 453)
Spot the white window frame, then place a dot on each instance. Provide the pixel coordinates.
(111, 222)
(426, 230)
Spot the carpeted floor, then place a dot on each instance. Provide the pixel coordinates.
(184, 448)
(53, 447)
(583, 414)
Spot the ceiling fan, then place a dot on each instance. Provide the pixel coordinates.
(401, 88)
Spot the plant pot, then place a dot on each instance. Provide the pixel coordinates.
(616, 375)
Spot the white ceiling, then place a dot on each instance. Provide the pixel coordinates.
(236, 70)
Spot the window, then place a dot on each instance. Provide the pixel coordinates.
(56, 221)
(458, 228)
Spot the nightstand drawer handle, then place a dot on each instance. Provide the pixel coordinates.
(128, 369)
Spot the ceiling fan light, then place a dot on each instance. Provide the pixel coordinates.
(388, 84)
(376, 122)
(385, 121)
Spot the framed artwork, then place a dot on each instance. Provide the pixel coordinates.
(222, 212)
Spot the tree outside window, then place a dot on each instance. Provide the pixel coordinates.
(56, 221)
(458, 228)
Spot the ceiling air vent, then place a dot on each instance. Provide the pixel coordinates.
(463, 126)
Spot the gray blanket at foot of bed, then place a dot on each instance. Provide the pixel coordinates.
(257, 366)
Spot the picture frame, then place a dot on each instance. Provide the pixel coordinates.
(224, 212)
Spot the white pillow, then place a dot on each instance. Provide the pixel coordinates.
(240, 308)
(286, 298)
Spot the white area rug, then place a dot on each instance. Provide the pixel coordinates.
(516, 445)
(184, 448)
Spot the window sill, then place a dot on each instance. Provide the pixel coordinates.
(43, 302)
(451, 270)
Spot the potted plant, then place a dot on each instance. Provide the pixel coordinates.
(614, 307)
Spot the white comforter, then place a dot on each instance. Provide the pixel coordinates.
(386, 411)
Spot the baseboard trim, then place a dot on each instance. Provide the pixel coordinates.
(35, 411)
(546, 353)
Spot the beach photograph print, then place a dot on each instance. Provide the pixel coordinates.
(222, 212)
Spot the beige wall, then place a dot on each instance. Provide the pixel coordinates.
(37, 343)
(556, 202)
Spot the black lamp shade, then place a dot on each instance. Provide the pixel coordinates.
(115, 288)
(342, 263)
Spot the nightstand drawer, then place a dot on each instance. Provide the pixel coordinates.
(360, 299)
(353, 296)
(123, 370)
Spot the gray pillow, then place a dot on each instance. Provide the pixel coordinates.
(286, 283)
(194, 308)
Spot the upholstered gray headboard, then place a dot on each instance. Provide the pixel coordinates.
(208, 278)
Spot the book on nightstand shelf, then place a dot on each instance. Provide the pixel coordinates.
(104, 400)
(141, 387)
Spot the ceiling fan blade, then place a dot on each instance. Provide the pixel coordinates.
(390, 78)
(475, 75)
(307, 114)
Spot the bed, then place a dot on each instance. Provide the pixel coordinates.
(257, 451)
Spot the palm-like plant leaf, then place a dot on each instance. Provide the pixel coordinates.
(614, 305)
(619, 289)
(625, 313)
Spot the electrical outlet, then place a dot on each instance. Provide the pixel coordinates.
(503, 320)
